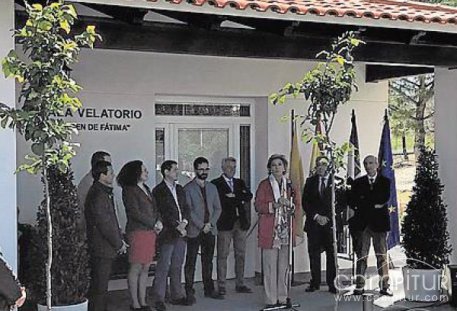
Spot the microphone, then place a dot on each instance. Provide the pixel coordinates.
(291, 195)
(290, 189)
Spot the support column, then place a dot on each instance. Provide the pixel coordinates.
(446, 144)
(8, 219)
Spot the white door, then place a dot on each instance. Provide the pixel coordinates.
(213, 142)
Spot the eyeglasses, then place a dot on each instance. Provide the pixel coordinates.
(203, 169)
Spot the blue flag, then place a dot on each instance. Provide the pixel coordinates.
(386, 169)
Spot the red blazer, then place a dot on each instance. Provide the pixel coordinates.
(263, 197)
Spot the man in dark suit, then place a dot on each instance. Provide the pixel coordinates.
(103, 233)
(317, 205)
(173, 209)
(233, 224)
(368, 198)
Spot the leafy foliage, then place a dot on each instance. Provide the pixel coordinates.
(46, 92)
(425, 236)
(411, 107)
(445, 2)
(326, 87)
(46, 87)
(70, 270)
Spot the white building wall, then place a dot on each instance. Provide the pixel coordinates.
(446, 144)
(8, 228)
(120, 79)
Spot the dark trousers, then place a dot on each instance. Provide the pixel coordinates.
(320, 238)
(362, 242)
(206, 241)
(99, 278)
(170, 262)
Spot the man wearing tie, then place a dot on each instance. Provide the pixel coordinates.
(233, 224)
(368, 198)
(317, 205)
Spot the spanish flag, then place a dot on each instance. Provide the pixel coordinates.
(296, 176)
(317, 149)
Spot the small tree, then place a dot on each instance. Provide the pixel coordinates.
(425, 235)
(328, 86)
(70, 258)
(411, 104)
(46, 92)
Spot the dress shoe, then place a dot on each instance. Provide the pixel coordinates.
(386, 292)
(222, 291)
(214, 295)
(358, 291)
(190, 300)
(243, 289)
(332, 290)
(160, 306)
(180, 302)
(311, 289)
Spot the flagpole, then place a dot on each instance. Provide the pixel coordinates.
(292, 125)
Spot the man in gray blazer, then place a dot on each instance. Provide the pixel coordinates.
(205, 208)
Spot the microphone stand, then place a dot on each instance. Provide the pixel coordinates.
(289, 305)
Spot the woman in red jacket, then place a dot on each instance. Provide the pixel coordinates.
(273, 205)
(143, 225)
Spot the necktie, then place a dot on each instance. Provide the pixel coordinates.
(231, 184)
(371, 182)
(322, 188)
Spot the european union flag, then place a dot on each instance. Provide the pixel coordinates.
(386, 169)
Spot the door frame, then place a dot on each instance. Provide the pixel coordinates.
(171, 124)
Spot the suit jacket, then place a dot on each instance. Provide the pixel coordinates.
(83, 188)
(141, 209)
(231, 207)
(264, 197)
(315, 203)
(10, 289)
(197, 208)
(362, 198)
(103, 232)
(168, 210)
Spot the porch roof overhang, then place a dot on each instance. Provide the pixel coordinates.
(398, 14)
(396, 46)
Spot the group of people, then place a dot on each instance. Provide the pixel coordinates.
(177, 222)
(369, 222)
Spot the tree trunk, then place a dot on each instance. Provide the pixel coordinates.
(403, 143)
(419, 139)
(49, 239)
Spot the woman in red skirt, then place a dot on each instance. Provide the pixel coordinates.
(143, 225)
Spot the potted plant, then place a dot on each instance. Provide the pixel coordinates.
(46, 92)
(70, 268)
(425, 235)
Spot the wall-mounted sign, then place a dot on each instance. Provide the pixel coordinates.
(104, 114)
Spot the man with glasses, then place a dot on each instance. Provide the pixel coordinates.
(205, 209)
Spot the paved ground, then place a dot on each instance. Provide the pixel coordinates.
(317, 301)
